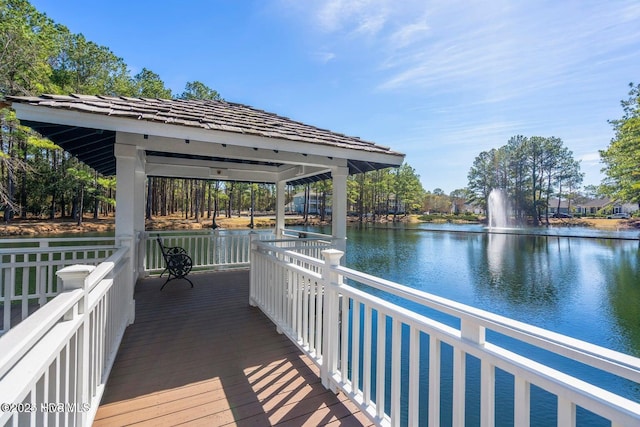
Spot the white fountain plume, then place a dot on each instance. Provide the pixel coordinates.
(497, 209)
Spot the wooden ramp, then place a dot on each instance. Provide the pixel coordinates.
(203, 356)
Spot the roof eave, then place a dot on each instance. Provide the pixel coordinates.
(119, 124)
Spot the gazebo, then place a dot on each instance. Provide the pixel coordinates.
(376, 352)
(138, 137)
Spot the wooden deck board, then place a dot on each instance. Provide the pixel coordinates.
(203, 356)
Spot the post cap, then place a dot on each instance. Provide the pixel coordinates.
(76, 269)
(73, 276)
(332, 255)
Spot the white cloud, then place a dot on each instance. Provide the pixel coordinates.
(323, 57)
(358, 16)
(466, 76)
(506, 52)
(498, 50)
(409, 34)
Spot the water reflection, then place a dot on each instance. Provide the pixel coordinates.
(623, 292)
(588, 288)
(495, 254)
(527, 276)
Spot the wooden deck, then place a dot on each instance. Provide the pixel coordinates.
(203, 356)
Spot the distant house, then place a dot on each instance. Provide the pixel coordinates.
(563, 207)
(592, 207)
(604, 205)
(296, 205)
(473, 208)
(630, 208)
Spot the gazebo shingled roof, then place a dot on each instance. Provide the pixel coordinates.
(95, 147)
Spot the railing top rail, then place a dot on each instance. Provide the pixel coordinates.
(50, 249)
(204, 232)
(266, 247)
(105, 267)
(308, 233)
(21, 240)
(291, 244)
(593, 355)
(18, 340)
(297, 240)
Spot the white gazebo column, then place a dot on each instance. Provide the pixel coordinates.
(339, 206)
(140, 198)
(126, 160)
(280, 204)
(130, 199)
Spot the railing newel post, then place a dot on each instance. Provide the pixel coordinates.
(332, 280)
(75, 277)
(472, 331)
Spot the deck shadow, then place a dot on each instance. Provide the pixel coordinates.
(203, 356)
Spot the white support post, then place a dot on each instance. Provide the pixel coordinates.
(253, 238)
(566, 412)
(129, 207)
(140, 197)
(332, 282)
(339, 206)
(280, 202)
(74, 277)
(131, 278)
(126, 158)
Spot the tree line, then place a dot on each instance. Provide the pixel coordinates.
(39, 179)
(37, 55)
(621, 159)
(532, 171)
(390, 192)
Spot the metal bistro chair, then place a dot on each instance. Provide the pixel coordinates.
(177, 263)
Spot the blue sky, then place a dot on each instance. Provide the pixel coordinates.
(439, 80)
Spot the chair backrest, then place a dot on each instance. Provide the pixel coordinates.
(162, 248)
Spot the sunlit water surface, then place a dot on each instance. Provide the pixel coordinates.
(584, 283)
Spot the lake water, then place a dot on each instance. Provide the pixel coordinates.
(579, 282)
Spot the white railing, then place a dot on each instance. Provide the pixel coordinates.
(28, 266)
(28, 271)
(377, 351)
(208, 249)
(219, 249)
(303, 234)
(54, 364)
(311, 247)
